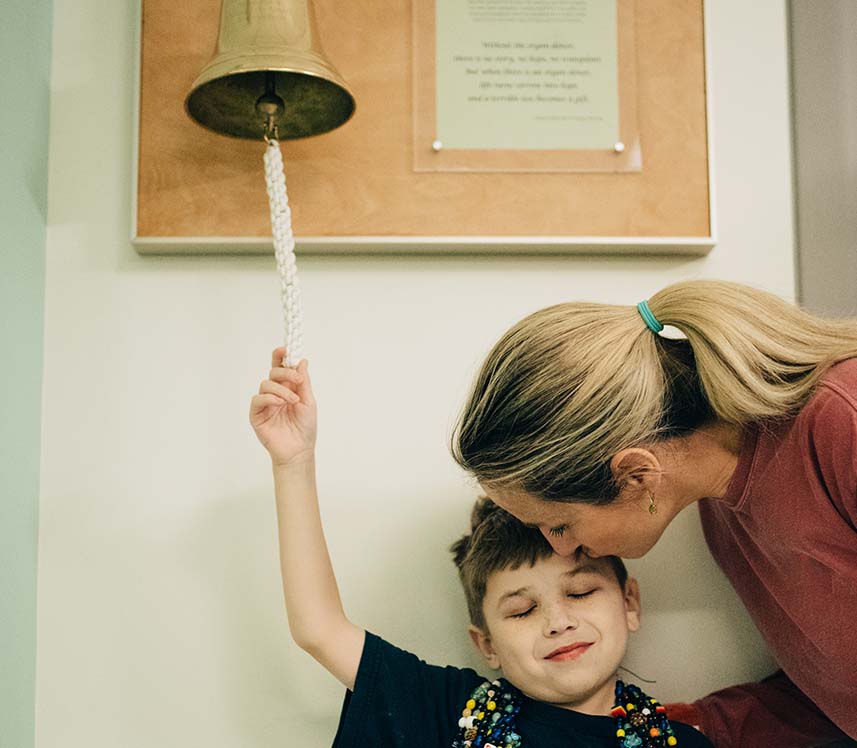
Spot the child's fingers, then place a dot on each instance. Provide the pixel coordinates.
(277, 357)
(285, 374)
(267, 400)
(269, 387)
(304, 385)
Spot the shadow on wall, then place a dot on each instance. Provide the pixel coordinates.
(679, 573)
(696, 636)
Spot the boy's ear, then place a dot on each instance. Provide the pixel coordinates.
(482, 642)
(633, 607)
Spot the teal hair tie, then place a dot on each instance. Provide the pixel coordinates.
(649, 318)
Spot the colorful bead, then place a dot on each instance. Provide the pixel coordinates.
(641, 719)
(640, 722)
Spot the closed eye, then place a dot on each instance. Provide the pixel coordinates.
(557, 532)
(523, 614)
(581, 595)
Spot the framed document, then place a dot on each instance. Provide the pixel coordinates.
(604, 149)
(544, 85)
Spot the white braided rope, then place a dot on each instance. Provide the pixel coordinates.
(284, 252)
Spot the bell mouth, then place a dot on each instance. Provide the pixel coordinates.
(223, 99)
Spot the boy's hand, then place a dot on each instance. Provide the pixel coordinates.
(283, 414)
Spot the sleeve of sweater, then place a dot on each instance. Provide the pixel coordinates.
(831, 434)
(772, 712)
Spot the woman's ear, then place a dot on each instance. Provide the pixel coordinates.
(633, 606)
(482, 642)
(636, 468)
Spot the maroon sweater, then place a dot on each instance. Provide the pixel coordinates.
(785, 535)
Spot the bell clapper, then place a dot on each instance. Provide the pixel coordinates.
(270, 107)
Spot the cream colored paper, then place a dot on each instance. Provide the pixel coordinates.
(527, 74)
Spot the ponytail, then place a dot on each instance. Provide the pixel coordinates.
(571, 385)
(757, 356)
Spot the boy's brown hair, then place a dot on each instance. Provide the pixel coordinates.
(498, 541)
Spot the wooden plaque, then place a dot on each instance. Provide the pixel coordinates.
(356, 189)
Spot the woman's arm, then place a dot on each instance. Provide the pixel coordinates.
(771, 712)
(283, 416)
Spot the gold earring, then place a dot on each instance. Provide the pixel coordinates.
(653, 508)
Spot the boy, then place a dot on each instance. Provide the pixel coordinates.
(558, 627)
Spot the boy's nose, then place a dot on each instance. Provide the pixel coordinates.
(563, 545)
(559, 619)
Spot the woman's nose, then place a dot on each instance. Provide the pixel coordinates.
(563, 545)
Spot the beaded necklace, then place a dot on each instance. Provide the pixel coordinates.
(641, 721)
(489, 717)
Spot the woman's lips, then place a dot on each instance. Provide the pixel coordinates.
(570, 652)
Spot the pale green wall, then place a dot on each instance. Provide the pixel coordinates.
(25, 54)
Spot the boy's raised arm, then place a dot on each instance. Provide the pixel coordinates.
(283, 415)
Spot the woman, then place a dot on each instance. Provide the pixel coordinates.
(587, 422)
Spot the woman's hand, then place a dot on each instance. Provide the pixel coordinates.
(283, 414)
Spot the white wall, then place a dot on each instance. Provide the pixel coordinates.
(160, 615)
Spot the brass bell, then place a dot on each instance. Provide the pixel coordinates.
(269, 76)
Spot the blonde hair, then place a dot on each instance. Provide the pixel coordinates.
(571, 385)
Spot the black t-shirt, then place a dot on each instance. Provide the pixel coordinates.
(401, 702)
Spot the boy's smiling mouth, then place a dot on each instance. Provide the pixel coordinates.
(569, 652)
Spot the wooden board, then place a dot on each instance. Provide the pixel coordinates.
(196, 188)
